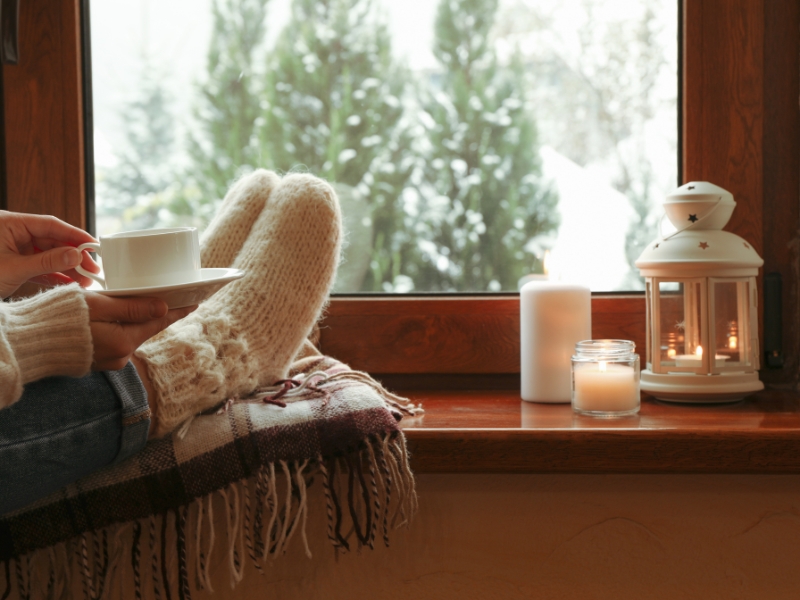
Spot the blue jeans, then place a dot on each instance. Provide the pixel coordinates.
(64, 428)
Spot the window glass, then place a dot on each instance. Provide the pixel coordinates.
(472, 143)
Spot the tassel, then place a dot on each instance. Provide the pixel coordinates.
(231, 520)
(164, 569)
(258, 521)
(409, 476)
(298, 517)
(211, 540)
(338, 508)
(352, 501)
(7, 569)
(101, 568)
(51, 574)
(88, 583)
(386, 483)
(184, 593)
(286, 510)
(249, 527)
(199, 573)
(402, 493)
(301, 484)
(326, 488)
(136, 555)
(273, 507)
(65, 561)
(154, 559)
(376, 500)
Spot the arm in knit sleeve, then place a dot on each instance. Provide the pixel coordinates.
(42, 336)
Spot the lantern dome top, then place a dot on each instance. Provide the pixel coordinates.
(699, 205)
(699, 248)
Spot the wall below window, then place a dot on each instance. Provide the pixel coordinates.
(560, 536)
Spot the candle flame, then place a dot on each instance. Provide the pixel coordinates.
(602, 366)
(733, 342)
(671, 353)
(699, 352)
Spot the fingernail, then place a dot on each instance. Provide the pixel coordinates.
(157, 309)
(71, 257)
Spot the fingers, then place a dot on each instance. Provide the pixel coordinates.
(45, 227)
(120, 325)
(55, 260)
(124, 310)
(17, 269)
(141, 332)
(63, 277)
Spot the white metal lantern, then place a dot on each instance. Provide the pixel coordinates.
(702, 323)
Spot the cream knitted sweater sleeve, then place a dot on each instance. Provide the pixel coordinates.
(45, 335)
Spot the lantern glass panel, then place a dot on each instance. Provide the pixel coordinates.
(731, 323)
(680, 325)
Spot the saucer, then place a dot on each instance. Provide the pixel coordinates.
(179, 295)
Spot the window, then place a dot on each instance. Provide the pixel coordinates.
(472, 143)
(740, 130)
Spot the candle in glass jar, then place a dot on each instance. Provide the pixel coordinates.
(605, 387)
(605, 378)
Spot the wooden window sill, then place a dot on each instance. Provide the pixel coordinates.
(496, 432)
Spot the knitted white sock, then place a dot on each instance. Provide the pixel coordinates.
(228, 230)
(247, 334)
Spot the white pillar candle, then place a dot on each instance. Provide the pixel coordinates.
(605, 387)
(553, 318)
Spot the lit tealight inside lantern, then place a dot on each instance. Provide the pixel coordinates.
(690, 360)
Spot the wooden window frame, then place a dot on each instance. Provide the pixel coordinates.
(740, 130)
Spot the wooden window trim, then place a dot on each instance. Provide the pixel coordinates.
(740, 130)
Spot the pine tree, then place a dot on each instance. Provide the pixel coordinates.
(335, 107)
(484, 199)
(222, 142)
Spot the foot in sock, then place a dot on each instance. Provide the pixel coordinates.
(247, 334)
(228, 230)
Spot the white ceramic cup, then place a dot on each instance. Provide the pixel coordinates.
(146, 258)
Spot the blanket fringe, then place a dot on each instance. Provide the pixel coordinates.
(367, 493)
(298, 388)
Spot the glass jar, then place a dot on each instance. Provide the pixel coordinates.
(605, 378)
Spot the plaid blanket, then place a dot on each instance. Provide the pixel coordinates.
(252, 460)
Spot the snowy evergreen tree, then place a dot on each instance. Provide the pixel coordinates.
(483, 199)
(335, 107)
(222, 140)
(145, 164)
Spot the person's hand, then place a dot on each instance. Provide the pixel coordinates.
(42, 249)
(120, 325)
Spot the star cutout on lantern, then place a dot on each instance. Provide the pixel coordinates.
(656, 245)
(693, 218)
(746, 245)
(703, 245)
